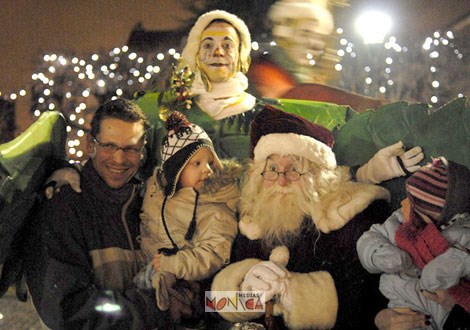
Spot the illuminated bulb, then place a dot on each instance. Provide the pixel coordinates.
(37, 113)
(254, 45)
(108, 308)
(80, 133)
(22, 92)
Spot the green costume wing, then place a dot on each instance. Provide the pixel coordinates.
(230, 135)
(443, 132)
(25, 164)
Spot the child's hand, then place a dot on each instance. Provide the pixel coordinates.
(400, 319)
(442, 297)
(156, 261)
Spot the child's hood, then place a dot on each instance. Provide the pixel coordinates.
(222, 185)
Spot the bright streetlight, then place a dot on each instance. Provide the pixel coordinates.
(373, 26)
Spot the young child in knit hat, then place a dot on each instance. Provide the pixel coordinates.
(425, 246)
(188, 219)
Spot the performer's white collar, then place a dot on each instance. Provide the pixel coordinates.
(225, 99)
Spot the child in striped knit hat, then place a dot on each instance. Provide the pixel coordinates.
(423, 249)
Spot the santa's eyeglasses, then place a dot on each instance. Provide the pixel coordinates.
(288, 175)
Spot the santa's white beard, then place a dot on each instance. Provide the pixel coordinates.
(279, 212)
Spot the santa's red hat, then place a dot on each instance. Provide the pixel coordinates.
(274, 131)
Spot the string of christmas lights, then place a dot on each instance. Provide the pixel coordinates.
(433, 71)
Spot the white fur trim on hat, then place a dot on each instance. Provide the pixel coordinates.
(191, 49)
(295, 144)
(282, 12)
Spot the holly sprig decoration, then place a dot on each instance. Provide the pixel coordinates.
(179, 96)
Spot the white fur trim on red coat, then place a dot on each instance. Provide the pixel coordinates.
(295, 144)
(314, 302)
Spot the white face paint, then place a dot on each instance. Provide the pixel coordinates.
(219, 51)
(308, 41)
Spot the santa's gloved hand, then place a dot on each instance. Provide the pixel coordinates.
(268, 277)
(61, 177)
(390, 162)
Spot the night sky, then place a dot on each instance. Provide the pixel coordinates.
(29, 28)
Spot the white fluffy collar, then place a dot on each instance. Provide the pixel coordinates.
(225, 99)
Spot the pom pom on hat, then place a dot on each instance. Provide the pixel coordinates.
(181, 142)
(274, 131)
(189, 53)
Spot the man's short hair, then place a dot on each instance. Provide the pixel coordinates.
(121, 109)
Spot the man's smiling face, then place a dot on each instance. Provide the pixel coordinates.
(219, 51)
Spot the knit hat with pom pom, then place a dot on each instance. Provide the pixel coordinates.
(181, 142)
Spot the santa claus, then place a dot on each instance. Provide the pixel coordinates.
(300, 218)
